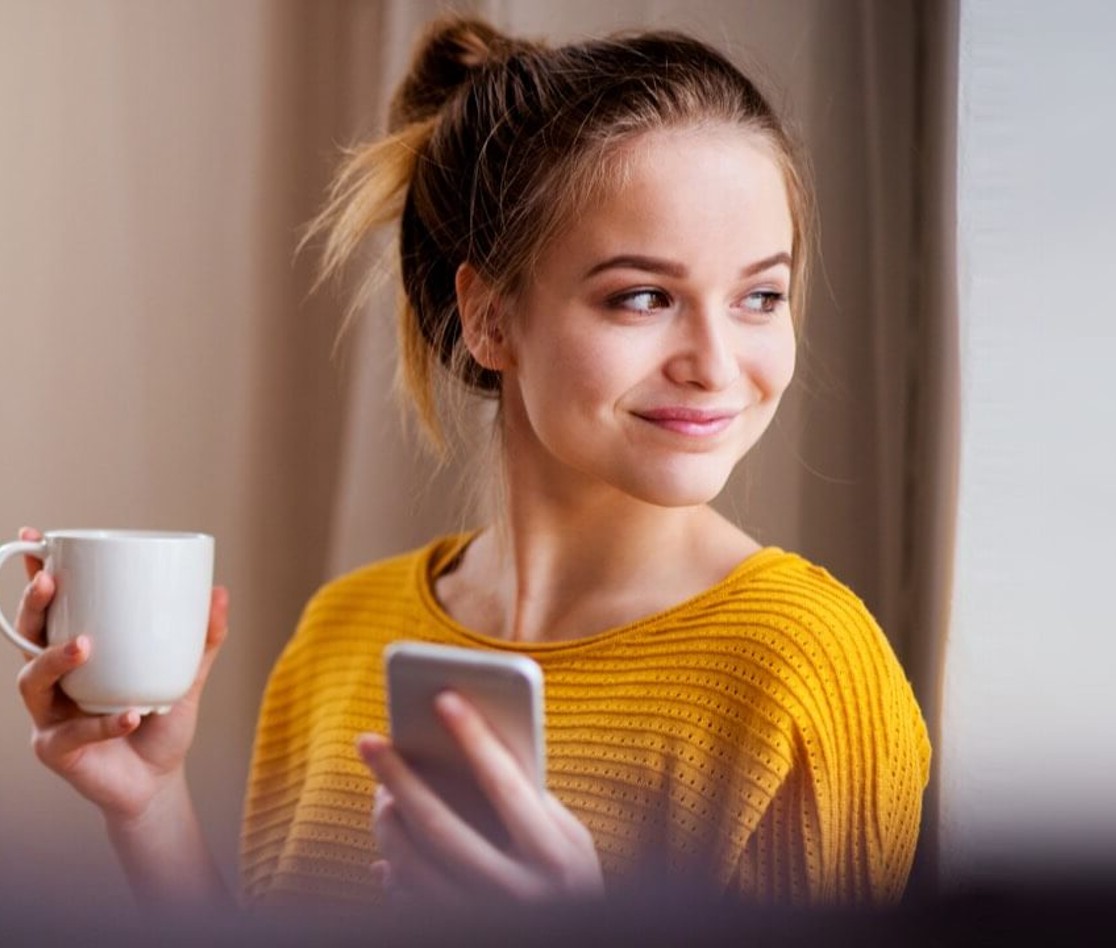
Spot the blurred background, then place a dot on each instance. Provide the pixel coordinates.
(946, 450)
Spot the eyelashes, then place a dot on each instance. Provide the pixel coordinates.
(644, 300)
(651, 300)
(769, 301)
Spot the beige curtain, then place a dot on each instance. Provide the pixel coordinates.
(165, 365)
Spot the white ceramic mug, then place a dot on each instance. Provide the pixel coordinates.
(141, 597)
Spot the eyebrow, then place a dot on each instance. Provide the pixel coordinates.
(672, 269)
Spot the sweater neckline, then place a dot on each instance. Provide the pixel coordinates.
(433, 559)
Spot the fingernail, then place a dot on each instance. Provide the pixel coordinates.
(75, 647)
(128, 720)
(369, 745)
(380, 873)
(448, 703)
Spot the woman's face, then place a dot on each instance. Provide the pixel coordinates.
(650, 352)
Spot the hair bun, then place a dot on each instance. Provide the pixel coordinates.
(450, 52)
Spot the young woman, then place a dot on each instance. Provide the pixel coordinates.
(610, 240)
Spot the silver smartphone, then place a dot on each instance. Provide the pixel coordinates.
(506, 689)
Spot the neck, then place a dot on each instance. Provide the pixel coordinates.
(570, 558)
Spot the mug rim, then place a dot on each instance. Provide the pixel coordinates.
(124, 534)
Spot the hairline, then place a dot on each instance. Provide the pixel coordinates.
(613, 161)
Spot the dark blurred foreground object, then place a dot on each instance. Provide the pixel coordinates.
(1081, 913)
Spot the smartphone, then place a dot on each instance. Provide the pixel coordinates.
(507, 690)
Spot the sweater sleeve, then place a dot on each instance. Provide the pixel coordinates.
(843, 825)
(277, 773)
(305, 833)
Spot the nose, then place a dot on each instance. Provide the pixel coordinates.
(704, 355)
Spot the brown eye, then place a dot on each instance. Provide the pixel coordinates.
(641, 301)
(764, 301)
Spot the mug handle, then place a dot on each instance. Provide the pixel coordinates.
(35, 548)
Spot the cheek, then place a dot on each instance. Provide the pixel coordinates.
(773, 363)
(789, 360)
(585, 370)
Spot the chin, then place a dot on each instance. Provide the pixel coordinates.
(679, 490)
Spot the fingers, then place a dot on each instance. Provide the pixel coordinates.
(546, 837)
(407, 871)
(447, 840)
(216, 632)
(59, 747)
(573, 829)
(31, 563)
(31, 618)
(61, 732)
(552, 853)
(38, 678)
(513, 795)
(218, 617)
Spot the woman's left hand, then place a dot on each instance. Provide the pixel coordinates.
(430, 851)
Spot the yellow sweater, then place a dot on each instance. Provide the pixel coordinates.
(761, 736)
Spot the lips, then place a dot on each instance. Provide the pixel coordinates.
(695, 422)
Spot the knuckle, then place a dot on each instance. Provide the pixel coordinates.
(554, 862)
(32, 596)
(388, 838)
(381, 804)
(27, 595)
(529, 887)
(29, 621)
(25, 680)
(41, 745)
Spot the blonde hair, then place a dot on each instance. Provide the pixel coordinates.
(496, 144)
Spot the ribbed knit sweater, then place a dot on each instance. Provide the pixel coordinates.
(760, 736)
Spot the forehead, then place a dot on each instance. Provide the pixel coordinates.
(702, 191)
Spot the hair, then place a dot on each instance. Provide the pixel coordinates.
(495, 145)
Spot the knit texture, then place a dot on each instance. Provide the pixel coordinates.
(760, 736)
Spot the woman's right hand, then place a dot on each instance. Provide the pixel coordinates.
(121, 762)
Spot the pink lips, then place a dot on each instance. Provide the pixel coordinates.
(695, 422)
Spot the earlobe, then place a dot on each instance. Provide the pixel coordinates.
(481, 328)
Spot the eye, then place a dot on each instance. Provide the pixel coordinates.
(764, 301)
(640, 301)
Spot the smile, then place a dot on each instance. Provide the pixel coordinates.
(692, 422)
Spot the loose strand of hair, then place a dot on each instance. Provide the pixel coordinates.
(415, 377)
(367, 193)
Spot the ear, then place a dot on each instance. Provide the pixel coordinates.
(481, 328)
